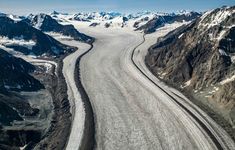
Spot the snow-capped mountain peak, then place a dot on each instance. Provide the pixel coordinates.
(55, 13)
(217, 16)
(13, 17)
(36, 20)
(47, 23)
(96, 16)
(2, 14)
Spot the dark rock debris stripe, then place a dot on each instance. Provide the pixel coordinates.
(212, 136)
(88, 139)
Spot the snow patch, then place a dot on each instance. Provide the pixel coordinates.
(233, 59)
(221, 35)
(204, 16)
(216, 88)
(22, 148)
(232, 78)
(186, 84)
(180, 35)
(40, 19)
(48, 67)
(14, 17)
(222, 52)
(17, 41)
(59, 36)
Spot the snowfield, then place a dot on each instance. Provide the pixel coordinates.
(17, 41)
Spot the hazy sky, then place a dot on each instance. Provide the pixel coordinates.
(30, 6)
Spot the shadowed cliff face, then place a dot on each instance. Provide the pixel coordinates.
(15, 75)
(200, 55)
(43, 44)
(47, 24)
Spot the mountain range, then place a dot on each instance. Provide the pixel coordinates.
(24, 38)
(46, 23)
(136, 20)
(199, 57)
(20, 38)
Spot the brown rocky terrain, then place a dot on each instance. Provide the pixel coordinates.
(199, 58)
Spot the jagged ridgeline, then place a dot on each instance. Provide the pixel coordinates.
(40, 42)
(46, 23)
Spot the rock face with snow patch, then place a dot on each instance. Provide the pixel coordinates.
(47, 24)
(15, 74)
(200, 55)
(159, 21)
(21, 31)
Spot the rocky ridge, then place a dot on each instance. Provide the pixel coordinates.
(199, 57)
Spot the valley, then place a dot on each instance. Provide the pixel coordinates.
(117, 81)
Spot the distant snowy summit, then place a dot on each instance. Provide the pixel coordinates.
(133, 20)
(109, 19)
(33, 35)
(13, 17)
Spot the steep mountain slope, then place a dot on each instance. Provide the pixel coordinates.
(14, 74)
(24, 38)
(200, 57)
(26, 103)
(160, 20)
(47, 24)
(8, 114)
